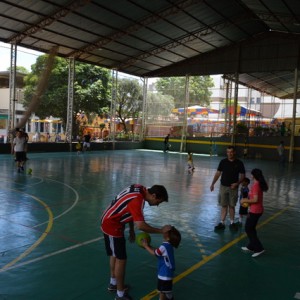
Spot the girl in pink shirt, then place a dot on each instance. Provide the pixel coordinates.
(255, 200)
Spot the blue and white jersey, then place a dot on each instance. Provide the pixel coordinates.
(166, 261)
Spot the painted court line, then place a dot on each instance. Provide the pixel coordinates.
(70, 208)
(50, 254)
(41, 238)
(213, 255)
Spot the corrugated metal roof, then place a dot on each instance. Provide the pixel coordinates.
(257, 38)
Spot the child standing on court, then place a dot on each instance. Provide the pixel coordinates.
(78, 147)
(191, 167)
(243, 211)
(166, 262)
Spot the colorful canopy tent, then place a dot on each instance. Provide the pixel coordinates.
(46, 121)
(241, 111)
(195, 110)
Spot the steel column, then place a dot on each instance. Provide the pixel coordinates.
(113, 106)
(292, 139)
(236, 96)
(69, 125)
(186, 104)
(12, 92)
(144, 112)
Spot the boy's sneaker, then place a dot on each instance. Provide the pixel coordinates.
(255, 254)
(239, 224)
(246, 249)
(220, 226)
(125, 297)
(113, 287)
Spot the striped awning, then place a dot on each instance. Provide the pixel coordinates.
(195, 110)
(241, 110)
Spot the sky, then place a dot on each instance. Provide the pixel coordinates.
(25, 57)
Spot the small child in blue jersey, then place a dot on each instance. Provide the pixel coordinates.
(166, 262)
(243, 211)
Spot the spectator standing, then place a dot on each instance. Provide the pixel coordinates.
(255, 212)
(18, 148)
(26, 136)
(280, 150)
(166, 143)
(86, 142)
(232, 173)
(282, 129)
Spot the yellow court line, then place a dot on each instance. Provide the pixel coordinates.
(213, 255)
(42, 237)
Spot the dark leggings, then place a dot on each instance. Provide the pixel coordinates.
(250, 228)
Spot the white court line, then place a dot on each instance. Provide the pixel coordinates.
(297, 295)
(70, 208)
(51, 254)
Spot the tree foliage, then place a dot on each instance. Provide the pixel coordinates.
(159, 105)
(20, 69)
(91, 89)
(199, 93)
(129, 100)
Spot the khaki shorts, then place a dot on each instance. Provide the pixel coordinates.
(228, 196)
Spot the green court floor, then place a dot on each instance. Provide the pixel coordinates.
(51, 246)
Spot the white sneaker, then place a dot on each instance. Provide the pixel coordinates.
(245, 249)
(258, 253)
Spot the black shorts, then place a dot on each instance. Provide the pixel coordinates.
(164, 286)
(20, 156)
(115, 246)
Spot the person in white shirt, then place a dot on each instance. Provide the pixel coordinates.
(18, 148)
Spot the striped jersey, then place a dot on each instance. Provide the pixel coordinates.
(126, 207)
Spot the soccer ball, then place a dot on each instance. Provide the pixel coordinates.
(142, 236)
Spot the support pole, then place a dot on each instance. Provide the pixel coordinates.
(12, 92)
(113, 106)
(292, 138)
(226, 125)
(69, 125)
(186, 104)
(236, 96)
(144, 112)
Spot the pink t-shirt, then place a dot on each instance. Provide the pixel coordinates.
(256, 208)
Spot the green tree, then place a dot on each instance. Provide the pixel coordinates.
(129, 100)
(199, 93)
(20, 69)
(92, 89)
(159, 105)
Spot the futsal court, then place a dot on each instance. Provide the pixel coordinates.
(51, 246)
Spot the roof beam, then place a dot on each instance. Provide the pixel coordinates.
(60, 13)
(198, 34)
(135, 27)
